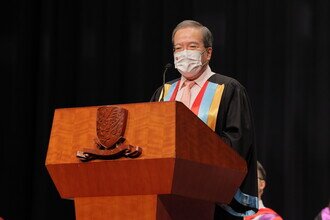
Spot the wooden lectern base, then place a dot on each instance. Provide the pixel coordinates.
(142, 207)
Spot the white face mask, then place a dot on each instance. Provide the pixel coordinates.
(188, 62)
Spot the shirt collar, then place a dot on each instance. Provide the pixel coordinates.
(201, 79)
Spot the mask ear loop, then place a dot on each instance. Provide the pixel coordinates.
(203, 64)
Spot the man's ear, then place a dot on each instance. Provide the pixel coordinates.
(262, 184)
(209, 53)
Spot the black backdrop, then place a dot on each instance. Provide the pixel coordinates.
(57, 54)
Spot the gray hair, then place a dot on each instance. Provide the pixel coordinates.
(206, 33)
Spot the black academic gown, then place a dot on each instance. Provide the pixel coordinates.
(235, 125)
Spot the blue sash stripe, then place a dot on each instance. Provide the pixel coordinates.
(234, 213)
(207, 99)
(244, 199)
(170, 92)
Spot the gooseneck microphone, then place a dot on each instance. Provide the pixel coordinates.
(167, 66)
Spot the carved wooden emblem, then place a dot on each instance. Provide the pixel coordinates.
(109, 142)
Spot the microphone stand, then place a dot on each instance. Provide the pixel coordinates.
(167, 66)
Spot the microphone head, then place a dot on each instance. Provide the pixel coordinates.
(169, 65)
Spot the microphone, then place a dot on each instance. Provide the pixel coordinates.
(167, 66)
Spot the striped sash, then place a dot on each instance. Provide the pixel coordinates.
(206, 104)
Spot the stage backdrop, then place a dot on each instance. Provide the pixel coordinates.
(57, 54)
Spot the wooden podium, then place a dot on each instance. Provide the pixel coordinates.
(184, 169)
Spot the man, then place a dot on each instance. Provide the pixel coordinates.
(220, 101)
(263, 213)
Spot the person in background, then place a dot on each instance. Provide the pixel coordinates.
(324, 214)
(219, 101)
(264, 213)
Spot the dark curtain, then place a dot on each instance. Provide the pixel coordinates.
(57, 54)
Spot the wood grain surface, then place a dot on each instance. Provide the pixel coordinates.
(181, 157)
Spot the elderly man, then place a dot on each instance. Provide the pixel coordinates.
(218, 100)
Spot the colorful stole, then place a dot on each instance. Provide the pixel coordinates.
(264, 214)
(206, 104)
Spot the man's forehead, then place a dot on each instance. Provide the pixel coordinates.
(188, 33)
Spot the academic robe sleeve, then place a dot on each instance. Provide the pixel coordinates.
(237, 120)
(235, 125)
